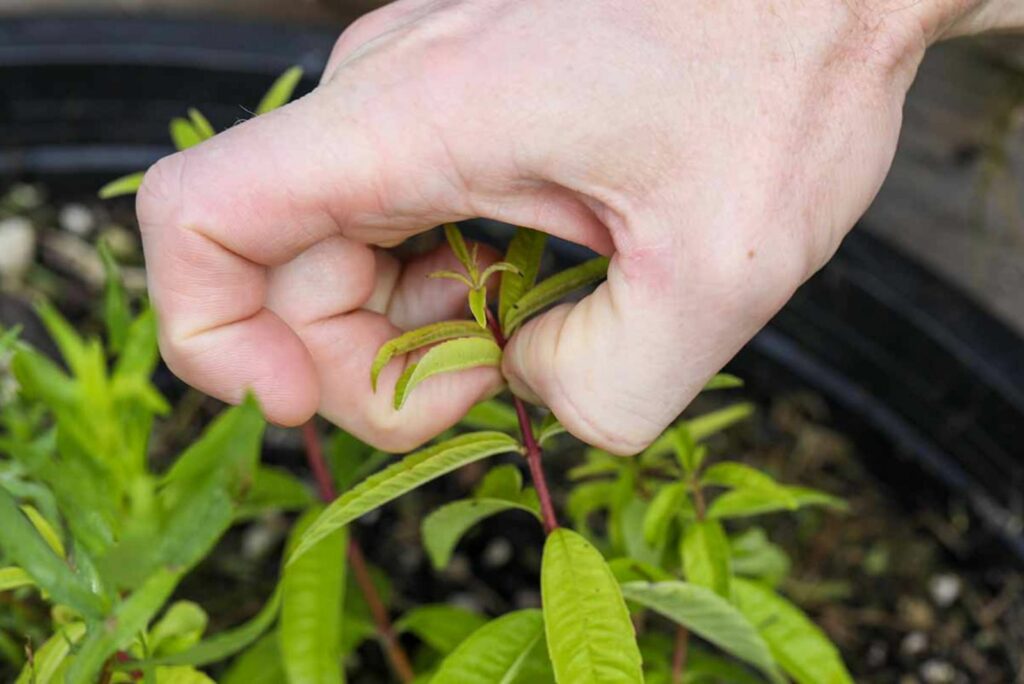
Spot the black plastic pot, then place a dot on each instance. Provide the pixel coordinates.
(924, 379)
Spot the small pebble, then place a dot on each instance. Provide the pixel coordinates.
(497, 553)
(877, 654)
(917, 613)
(25, 196)
(945, 589)
(914, 644)
(17, 248)
(938, 672)
(76, 219)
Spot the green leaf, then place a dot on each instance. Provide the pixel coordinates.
(22, 544)
(128, 618)
(48, 659)
(280, 91)
(798, 646)
(712, 423)
(741, 476)
(447, 357)
(707, 615)
(632, 570)
(458, 245)
(492, 415)
(589, 633)
(183, 134)
(549, 429)
(742, 503)
(501, 482)
(549, 291)
(444, 527)
(116, 314)
(260, 664)
(665, 507)
(478, 305)
(45, 529)
(125, 185)
(201, 124)
(181, 627)
(222, 645)
(181, 675)
(496, 267)
(754, 555)
(311, 607)
(411, 472)
(723, 381)
(496, 652)
(588, 498)
(705, 550)
(422, 337)
(274, 489)
(524, 252)
(14, 578)
(440, 626)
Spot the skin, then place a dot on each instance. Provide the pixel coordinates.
(717, 150)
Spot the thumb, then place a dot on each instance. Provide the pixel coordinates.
(618, 367)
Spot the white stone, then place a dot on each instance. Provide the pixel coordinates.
(76, 219)
(17, 248)
(938, 672)
(945, 589)
(914, 644)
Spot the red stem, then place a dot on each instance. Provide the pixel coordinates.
(325, 484)
(533, 450)
(679, 654)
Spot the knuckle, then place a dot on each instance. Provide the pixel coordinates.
(161, 191)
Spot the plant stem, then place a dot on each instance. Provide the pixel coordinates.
(357, 560)
(679, 654)
(533, 450)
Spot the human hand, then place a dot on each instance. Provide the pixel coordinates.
(718, 151)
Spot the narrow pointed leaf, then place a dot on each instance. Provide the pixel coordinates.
(549, 291)
(411, 472)
(740, 476)
(443, 627)
(422, 337)
(452, 275)
(746, 502)
(184, 134)
(311, 608)
(116, 315)
(200, 124)
(705, 550)
(458, 245)
(665, 507)
(125, 185)
(796, 643)
(707, 615)
(448, 357)
(723, 381)
(497, 267)
(14, 578)
(478, 305)
(45, 529)
(704, 426)
(48, 659)
(549, 429)
(589, 634)
(444, 527)
(496, 652)
(22, 544)
(280, 91)
(524, 252)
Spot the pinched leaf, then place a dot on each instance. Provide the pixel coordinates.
(705, 550)
(444, 527)
(458, 245)
(443, 627)
(589, 634)
(497, 653)
(201, 124)
(448, 357)
(524, 252)
(280, 91)
(723, 381)
(22, 544)
(128, 618)
(796, 643)
(707, 615)
(411, 472)
(125, 185)
(552, 289)
(422, 337)
(184, 134)
(311, 607)
(478, 305)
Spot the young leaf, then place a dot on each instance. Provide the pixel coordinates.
(128, 618)
(458, 245)
(589, 633)
(712, 423)
(742, 503)
(125, 185)
(501, 482)
(740, 476)
(447, 357)
(496, 652)
(445, 274)
(280, 91)
(665, 507)
(723, 381)
(524, 252)
(689, 455)
(14, 578)
(22, 544)
(440, 626)
(705, 550)
(181, 627)
(443, 528)
(411, 472)
(478, 305)
(422, 337)
(549, 429)
(497, 267)
(492, 415)
(754, 555)
(45, 529)
(798, 646)
(184, 134)
(707, 615)
(46, 662)
(200, 124)
(116, 315)
(312, 596)
(549, 291)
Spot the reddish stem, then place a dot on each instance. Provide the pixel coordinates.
(533, 450)
(325, 484)
(679, 654)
